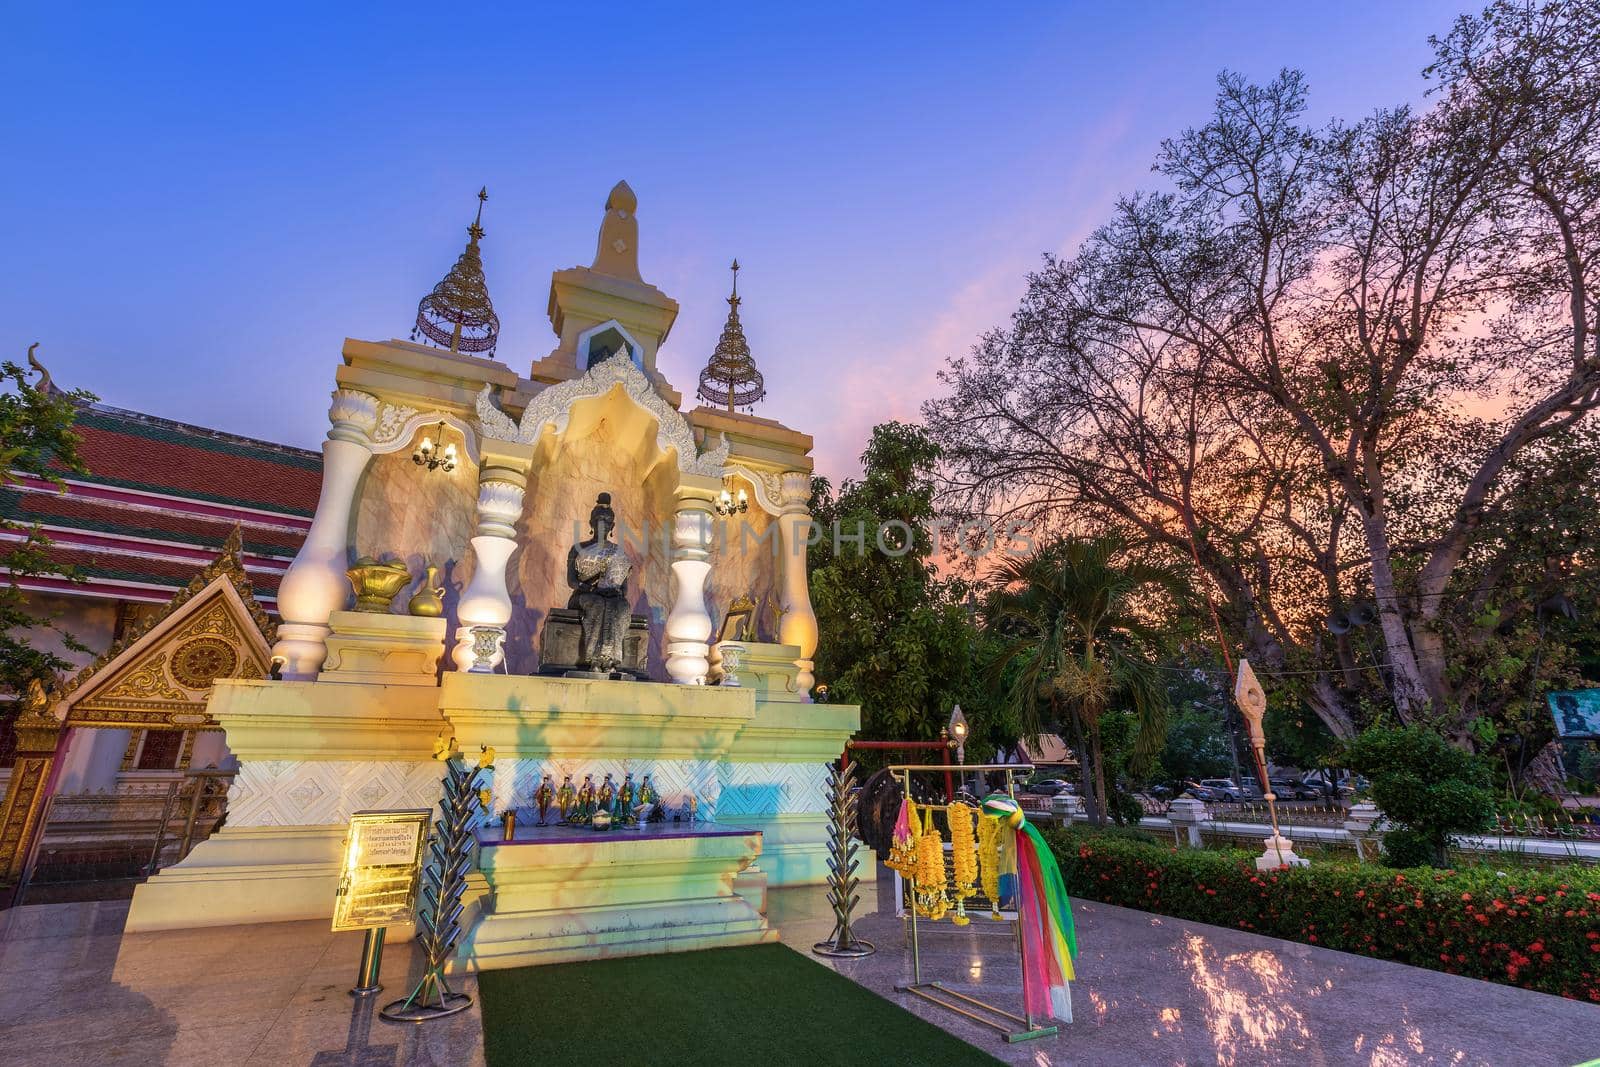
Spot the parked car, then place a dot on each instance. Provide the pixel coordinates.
(1049, 787)
(1224, 789)
(1291, 789)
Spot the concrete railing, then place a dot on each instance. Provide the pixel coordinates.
(1190, 822)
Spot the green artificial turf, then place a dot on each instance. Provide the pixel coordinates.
(761, 1006)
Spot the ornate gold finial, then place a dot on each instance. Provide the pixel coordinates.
(731, 378)
(458, 313)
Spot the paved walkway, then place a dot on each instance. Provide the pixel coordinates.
(1153, 991)
(78, 991)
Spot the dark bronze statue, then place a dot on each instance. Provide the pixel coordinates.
(597, 571)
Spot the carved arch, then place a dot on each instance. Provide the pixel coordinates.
(552, 408)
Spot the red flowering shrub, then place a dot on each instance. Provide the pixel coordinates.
(1535, 929)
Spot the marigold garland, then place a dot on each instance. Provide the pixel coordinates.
(931, 899)
(963, 857)
(989, 862)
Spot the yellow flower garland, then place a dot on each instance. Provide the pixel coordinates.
(931, 900)
(963, 856)
(989, 861)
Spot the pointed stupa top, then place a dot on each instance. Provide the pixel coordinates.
(618, 250)
(731, 380)
(458, 314)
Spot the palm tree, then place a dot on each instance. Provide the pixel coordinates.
(1077, 644)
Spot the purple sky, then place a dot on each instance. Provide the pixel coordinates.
(200, 205)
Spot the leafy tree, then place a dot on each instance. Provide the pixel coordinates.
(1075, 619)
(1318, 358)
(36, 438)
(896, 638)
(1197, 746)
(1428, 788)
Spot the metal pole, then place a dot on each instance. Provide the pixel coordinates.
(916, 946)
(949, 785)
(371, 964)
(161, 830)
(194, 812)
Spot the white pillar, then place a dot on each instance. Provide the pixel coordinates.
(798, 625)
(486, 601)
(689, 623)
(315, 583)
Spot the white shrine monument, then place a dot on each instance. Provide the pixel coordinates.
(365, 696)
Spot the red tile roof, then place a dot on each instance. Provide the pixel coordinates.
(159, 499)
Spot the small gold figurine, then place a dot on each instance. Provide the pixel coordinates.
(566, 798)
(542, 798)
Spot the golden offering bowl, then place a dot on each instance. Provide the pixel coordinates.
(377, 584)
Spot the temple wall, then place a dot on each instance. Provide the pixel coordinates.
(419, 516)
(746, 562)
(561, 493)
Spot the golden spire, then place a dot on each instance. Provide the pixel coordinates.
(458, 313)
(731, 378)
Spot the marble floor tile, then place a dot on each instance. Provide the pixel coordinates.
(1151, 991)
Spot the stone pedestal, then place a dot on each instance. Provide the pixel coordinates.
(561, 643)
(1362, 826)
(557, 894)
(770, 670)
(1279, 853)
(311, 754)
(385, 649)
(1187, 815)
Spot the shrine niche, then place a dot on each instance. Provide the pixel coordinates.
(158, 676)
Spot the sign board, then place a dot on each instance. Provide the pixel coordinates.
(382, 868)
(1577, 714)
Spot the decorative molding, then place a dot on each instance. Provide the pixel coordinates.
(229, 565)
(499, 507)
(764, 789)
(353, 415)
(796, 490)
(327, 792)
(553, 407)
(768, 486)
(398, 424)
(492, 422)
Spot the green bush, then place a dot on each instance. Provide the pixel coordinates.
(1535, 929)
(1429, 789)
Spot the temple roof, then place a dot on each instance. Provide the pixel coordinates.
(159, 501)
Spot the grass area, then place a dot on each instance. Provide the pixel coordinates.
(765, 1005)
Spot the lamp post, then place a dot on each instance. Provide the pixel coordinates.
(958, 731)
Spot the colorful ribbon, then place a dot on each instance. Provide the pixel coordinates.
(1044, 915)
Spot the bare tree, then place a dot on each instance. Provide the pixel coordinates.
(1313, 361)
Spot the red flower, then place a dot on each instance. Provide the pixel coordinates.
(1466, 896)
(1536, 947)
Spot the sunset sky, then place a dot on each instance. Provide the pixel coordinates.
(198, 209)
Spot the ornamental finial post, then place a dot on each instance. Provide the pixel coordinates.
(458, 314)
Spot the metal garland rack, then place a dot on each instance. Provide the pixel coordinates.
(927, 990)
